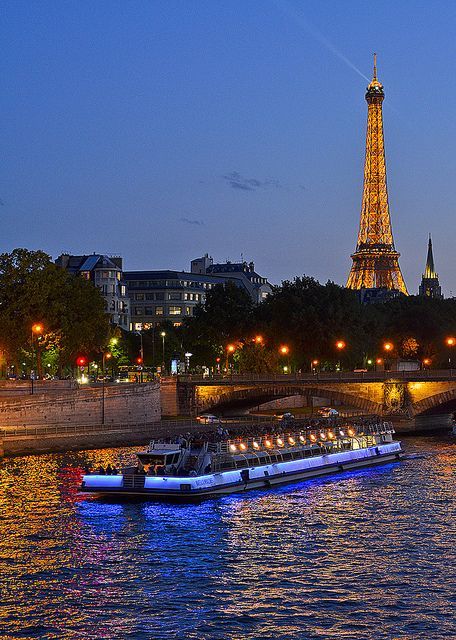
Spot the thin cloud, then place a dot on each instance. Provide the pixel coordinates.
(199, 223)
(237, 181)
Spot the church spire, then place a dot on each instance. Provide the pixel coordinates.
(430, 286)
(429, 271)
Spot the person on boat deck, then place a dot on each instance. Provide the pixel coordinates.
(192, 473)
(207, 468)
(101, 471)
(109, 470)
(151, 470)
(115, 471)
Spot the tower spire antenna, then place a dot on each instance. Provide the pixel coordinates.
(375, 67)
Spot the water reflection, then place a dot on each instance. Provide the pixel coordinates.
(367, 554)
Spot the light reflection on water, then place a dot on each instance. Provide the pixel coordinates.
(364, 555)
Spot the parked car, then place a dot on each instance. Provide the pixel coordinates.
(327, 412)
(207, 418)
(285, 417)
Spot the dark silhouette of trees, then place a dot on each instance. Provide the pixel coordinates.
(34, 290)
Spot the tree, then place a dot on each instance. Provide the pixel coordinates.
(226, 316)
(34, 290)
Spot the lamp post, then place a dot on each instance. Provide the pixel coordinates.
(450, 342)
(230, 348)
(388, 348)
(105, 356)
(340, 346)
(37, 330)
(313, 366)
(284, 350)
(163, 335)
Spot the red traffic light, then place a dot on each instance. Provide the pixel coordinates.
(139, 360)
(81, 361)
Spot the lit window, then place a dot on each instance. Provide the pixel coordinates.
(175, 311)
(139, 296)
(158, 311)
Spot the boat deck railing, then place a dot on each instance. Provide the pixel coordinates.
(300, 438)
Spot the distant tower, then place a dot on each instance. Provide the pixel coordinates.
(375, 261)
(430, 286)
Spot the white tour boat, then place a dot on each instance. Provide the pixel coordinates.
(196, 467)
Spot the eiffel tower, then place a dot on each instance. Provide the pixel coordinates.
(375, 261)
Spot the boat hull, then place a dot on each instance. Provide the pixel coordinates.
(233, 481)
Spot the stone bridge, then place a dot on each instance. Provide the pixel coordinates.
(405, 394)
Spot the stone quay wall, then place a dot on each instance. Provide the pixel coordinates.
(115, 404)
(64, 417)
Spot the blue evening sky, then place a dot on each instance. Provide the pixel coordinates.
(162, 130)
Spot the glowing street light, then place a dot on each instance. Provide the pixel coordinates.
(284, 350)
(426, 362)
(258, 339)
(163, 336)
(37, 330)
(340, 346)
(230, 349)
(450, 342)
(388, 347)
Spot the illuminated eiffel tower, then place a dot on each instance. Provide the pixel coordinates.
(375, 261)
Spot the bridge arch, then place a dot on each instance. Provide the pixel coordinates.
(221, 398)
(444, 402)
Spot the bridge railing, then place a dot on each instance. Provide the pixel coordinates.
(324, 376)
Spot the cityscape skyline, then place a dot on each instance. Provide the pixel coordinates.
(273, 172)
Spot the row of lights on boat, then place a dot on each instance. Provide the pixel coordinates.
(269, 442)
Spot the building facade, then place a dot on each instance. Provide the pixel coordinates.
(241, 273)
(105, 272)
(158, 296)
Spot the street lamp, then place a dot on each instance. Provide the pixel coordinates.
(187, 356)
(230, 348)
(163, 335)
(340, 346)
(104, 357)
(313, 366)
(388, 347)
(258, 339)
(284, 350)
(37, 330)
(426, 362)
(450, 342)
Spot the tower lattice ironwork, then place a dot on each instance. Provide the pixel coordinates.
(375, 261)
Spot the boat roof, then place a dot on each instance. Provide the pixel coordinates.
(159, 452)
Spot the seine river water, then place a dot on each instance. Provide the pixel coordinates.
(369, 554)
